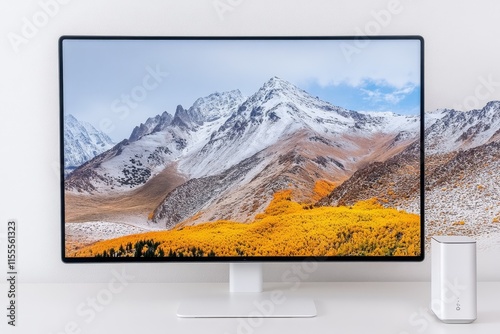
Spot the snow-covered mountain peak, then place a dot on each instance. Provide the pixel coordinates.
(184, 119)
(82, 142)
(277, 111)
(278, 83)
(451, 130)
(491, 111)
(152, 124)
(216, 105)
(277, 88)
(70, 120)
(279, 92)
(492, 105)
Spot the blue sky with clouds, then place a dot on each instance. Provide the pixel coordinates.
(372, 96)
(112, 85)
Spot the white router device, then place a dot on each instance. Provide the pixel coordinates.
(454, 279)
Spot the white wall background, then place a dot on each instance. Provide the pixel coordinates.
(462, 46)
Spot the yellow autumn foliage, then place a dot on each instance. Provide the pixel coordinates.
(281, 204)
(287, 229)
(322, 188)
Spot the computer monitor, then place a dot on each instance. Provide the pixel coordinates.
(241, 149)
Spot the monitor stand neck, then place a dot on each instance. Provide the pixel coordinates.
(245, 277)
(246, 299)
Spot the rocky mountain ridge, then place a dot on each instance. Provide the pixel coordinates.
(82, 142)
(223, 129)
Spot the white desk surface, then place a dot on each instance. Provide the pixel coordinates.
(389, 308)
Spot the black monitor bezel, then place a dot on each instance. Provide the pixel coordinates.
(354, 39)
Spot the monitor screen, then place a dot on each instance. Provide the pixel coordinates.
(241, 148)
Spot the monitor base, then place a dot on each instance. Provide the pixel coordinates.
(273, 304)
(245, 299)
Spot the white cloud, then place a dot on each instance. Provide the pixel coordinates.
(393, 97)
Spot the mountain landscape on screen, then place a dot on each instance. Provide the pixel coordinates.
(231, 159)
